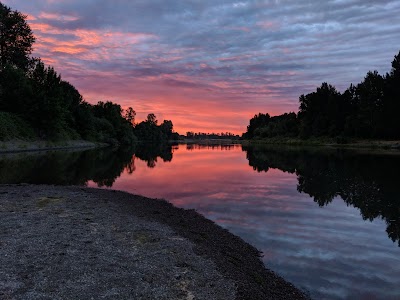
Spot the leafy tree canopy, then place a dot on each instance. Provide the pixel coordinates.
(16, 38)
(366, 110)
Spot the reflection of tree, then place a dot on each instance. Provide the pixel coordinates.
(112, 164)
(150, 153)
(102, 166)
(212, 146)
(367, 182)
(66, 168)
(131, 165)
(261, 160)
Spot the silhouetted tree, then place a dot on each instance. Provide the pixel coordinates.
(320, 111)
(130, 115)
(366, 110)
(392, 100)
(167, 128)
(369, 100)
(16, 93)
(16, 39)
(32, 93)
(151, 119)
(285, 125)
(48, 110)
(151, 132)
(111, 125)
(257, 121)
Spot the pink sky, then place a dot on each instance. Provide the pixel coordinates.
(210, 66)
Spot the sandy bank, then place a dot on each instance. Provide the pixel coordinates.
(80, 243)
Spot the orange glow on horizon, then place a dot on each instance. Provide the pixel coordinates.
(196, 104)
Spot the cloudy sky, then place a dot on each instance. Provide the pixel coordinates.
(210, 65)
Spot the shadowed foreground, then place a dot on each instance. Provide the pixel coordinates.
(76, 243)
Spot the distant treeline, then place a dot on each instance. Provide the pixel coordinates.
(35, 103)
(368, 110)
(204, 136)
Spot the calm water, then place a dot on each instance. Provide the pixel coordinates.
(328, 221)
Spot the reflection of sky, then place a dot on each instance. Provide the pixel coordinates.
(329, 251)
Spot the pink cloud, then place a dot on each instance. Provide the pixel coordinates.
(200, 103)
(58, 17)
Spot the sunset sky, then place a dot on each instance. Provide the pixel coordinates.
(210, 65)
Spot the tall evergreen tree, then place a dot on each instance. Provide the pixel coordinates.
(392, 100)
(16, 38)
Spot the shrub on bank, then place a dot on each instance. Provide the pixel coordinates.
(14, 127)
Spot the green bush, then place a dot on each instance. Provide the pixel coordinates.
(14, 127)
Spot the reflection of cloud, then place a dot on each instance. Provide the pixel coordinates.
(230, 55)
(330, 251)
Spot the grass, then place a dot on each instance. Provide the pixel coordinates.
(14, 127)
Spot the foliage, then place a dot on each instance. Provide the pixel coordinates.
(285, 125)
(151, 132)
(33, 96)
(16, 38)
(367, 110)
(130, 115)
(258, 121)
(321, 112)
(13, 127)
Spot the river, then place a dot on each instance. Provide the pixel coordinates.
(327, 220)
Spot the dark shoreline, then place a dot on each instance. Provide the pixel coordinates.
(37, 146)
(235, 260)
(371, 147)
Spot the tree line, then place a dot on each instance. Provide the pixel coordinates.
(35, 103)
(366, 110)
(204, 136)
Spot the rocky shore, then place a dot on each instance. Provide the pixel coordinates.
(82, 243)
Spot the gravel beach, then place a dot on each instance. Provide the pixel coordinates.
(82, 243)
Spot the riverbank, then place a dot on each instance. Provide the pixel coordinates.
(328, 142)
(29, 146)
(73, 242)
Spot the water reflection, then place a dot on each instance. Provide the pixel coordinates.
(210, 146)
(65, 167)
(301, 207)
(150, 153)
(102, 166)
(367, 182)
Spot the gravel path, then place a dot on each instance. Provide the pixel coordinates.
(82, 243)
